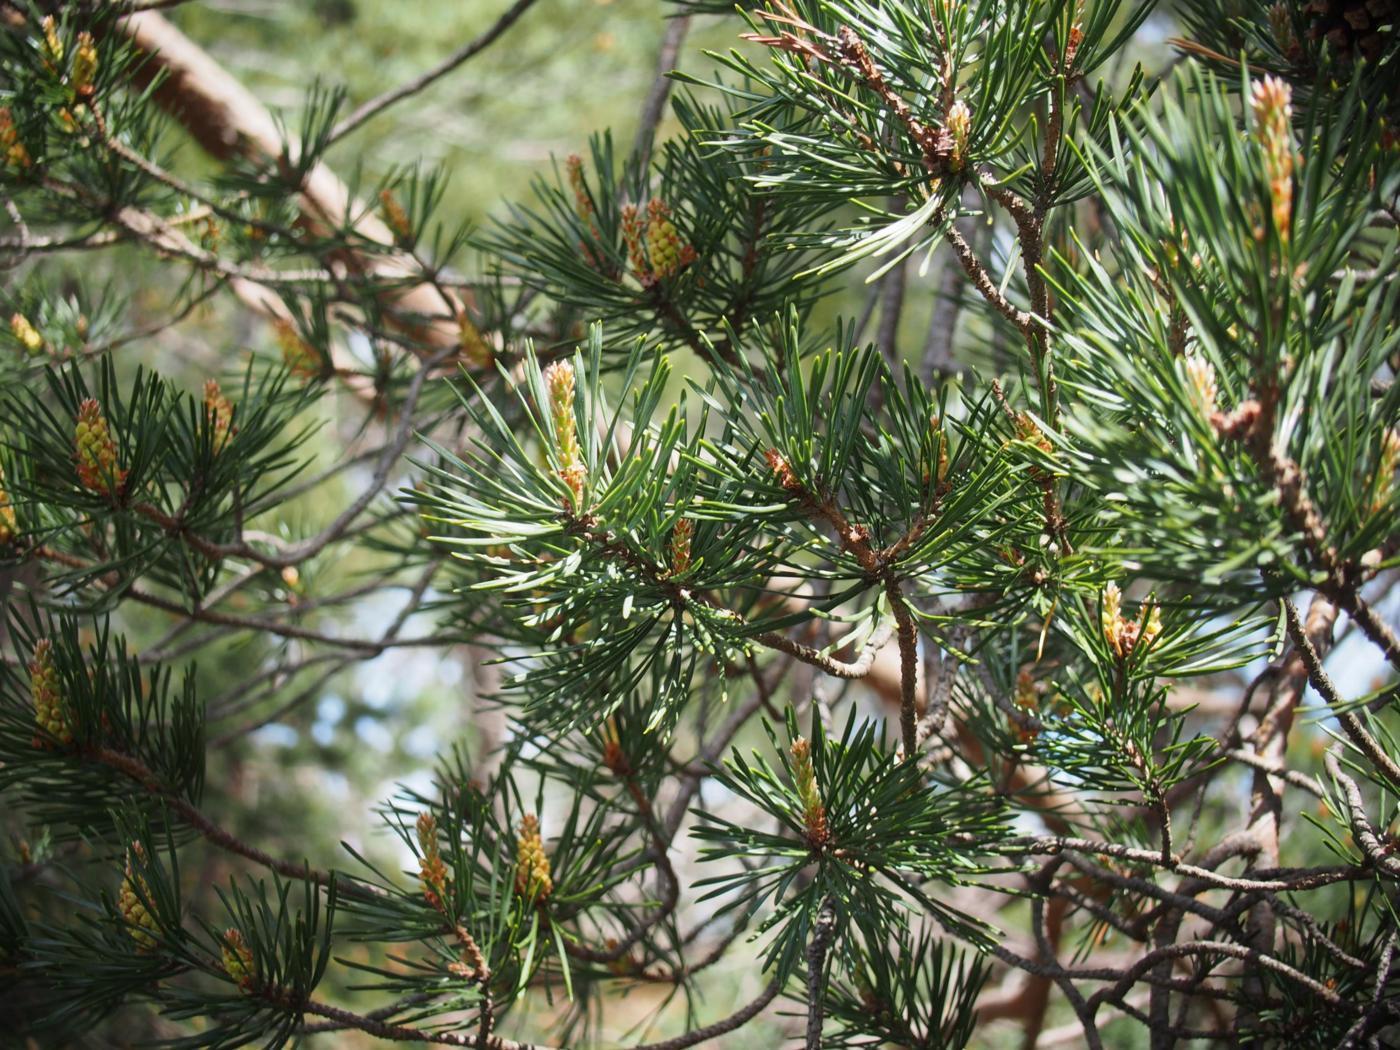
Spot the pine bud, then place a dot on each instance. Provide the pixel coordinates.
(1072, 45)
(141, 925)
(1123, 635)
(1271, 101)
(654, 247)
(583, 206)
(1153, 627)
(16, 156)
(1202, 375)
(1386, 465)
(614, 757)
(1028, 430)
(681, 536)
(238, 960)
(84, 70)
(26, 333)
(532, 875)
(46, 690)
(1112, 616)
(939, 439)
(211, 234)
(664, 246)
(960, 127)
(471, 343)
(53, 44)
(395, 218)
(300, 357)
(632, 237)
(805, 780)
(782, 470)
(432, 870)
(1281, 23)
(9, 524)
(561, 386)
(96, 452)
(869, 998)
(219, 411)
(625, 965)
(1026, 699)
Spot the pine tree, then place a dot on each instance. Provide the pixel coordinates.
(918, 689)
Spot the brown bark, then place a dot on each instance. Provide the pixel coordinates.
(1270, 743)
(229, 122)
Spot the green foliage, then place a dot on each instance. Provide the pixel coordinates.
(1256, 302)
(576, 247)
(179, 469)
(855, 101)
(119, 716)
(915, 992)
(652, 470)
(478, 830)
(895, 830)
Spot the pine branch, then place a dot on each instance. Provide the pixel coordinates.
(229, 122)
(377, 105)
(141, 776)
(1320, 680)
(654, 107)
(822, 932)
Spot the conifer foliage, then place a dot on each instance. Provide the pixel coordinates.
(943, 702)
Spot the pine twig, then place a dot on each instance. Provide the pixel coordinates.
(372, 108)
(822, 932)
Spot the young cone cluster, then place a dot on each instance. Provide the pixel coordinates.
(9, 524)
(655, 250)
(15, 155)
(395, 218)
(53, 43)
(432, 872)
(1388, 463)
(1124, 635)
(1026, 700)
(1203, 383)
(237, 959)
(50, 708)
(96, 451)
(533, 878)
(141, 925)
(298, 355)
(583, 206)
(681, 536)
(219, 409)
(805, 780)
(472, 964)
(1272, 102)
(84, 71)
(560, 384)
(960, 127)
(938, 437)
(475, 350)
(26, 333)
